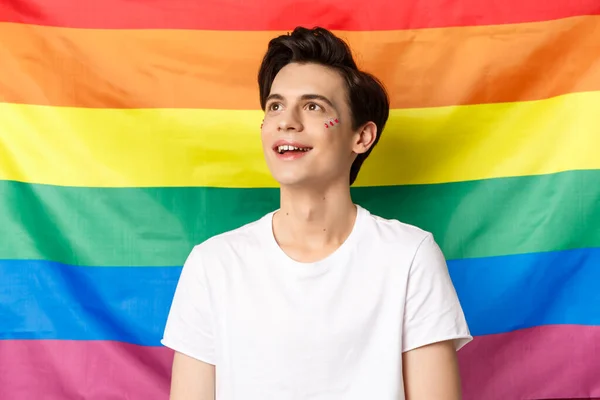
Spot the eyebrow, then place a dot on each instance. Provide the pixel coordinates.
(311, 96)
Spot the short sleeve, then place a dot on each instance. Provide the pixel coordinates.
(189, 328)
(432, 309)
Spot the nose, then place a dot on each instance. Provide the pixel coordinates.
(290, 121)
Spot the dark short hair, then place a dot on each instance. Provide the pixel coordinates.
(367, 97)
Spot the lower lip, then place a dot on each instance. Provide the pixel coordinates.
(290, 155)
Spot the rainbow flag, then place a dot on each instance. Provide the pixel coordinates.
(129, 131)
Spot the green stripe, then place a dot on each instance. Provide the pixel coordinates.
(159, 226)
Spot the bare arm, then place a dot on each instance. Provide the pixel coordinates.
(431, 372)
(192, 379)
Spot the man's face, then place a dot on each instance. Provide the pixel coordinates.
(302, 142)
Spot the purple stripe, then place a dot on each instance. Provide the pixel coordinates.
(91, 370)
(548, 362)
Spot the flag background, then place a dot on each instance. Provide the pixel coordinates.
(129, 131)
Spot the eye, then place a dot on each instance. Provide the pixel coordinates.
(274, 107)
(314, 107)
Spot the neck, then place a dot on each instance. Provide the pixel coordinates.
(315, 217)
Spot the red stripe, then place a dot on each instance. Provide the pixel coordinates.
(284, 15)
(557, 361)
(548, 362)
(59, 370)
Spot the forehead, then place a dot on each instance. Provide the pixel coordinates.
(295, 80)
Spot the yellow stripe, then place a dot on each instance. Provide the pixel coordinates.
(183, 147)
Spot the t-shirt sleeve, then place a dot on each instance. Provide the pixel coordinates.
(432, 309)
(189, 328)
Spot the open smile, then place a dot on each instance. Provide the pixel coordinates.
(285, 148)
(290, 151)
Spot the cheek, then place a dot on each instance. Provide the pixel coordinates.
(264, 135)
(268, 126)
(265, 126)
(335, 142)
(265, 140)
(331, 123)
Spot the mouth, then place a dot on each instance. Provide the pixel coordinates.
(290, 151)
(285, 148)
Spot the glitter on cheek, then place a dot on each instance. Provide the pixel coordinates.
(331, 122)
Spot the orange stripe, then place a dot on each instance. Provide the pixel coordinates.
(217, 69)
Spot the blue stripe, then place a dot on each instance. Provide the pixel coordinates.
(46, 300)
(506, 293)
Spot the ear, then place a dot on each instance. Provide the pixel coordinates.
(364, 138)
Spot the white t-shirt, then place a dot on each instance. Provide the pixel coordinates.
(277, 329)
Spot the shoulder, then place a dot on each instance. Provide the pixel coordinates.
(409, 246)
(392, 232)
(245, 239)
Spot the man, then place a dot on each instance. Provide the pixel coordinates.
(319, 299)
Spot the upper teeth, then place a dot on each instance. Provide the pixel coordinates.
(286, 147)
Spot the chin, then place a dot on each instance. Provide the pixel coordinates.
(292, 180)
